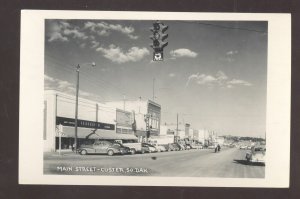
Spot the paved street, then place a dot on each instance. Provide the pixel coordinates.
(229, 163)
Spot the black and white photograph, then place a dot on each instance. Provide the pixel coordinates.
(159, 96)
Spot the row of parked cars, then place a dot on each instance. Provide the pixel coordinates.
(111, 148)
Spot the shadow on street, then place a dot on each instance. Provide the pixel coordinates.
(245, 162)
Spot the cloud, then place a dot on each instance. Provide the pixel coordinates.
(95, 44)
(230, 55)
(63, 31)
(133, 37)
(183, 52)
(239, 82)
(172, 75)
(82, 45)
(66, 87)
(76, 33)
(116, 54)
(232, 52)
(220, 79)
(56, 36)
(54, 31)
(105, 29)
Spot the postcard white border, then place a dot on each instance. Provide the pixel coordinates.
(32, 92)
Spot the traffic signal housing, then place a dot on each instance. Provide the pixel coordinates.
(159, 36)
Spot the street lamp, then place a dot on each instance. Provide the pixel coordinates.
(76, 104)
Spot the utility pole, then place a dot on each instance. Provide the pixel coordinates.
(177, 126)
(97, 108)
(76, 107)
(124, 98)
(153, 88)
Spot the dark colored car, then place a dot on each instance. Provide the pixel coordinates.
(177, 147)
(174, 147)
(103, 147)
(167, 147)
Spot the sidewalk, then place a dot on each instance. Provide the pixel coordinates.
(64, 152)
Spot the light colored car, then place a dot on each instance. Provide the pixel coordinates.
(160, 148)
(256, 154)
(136, 148)
(150, 147)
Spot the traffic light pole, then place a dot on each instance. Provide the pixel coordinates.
(158, 38)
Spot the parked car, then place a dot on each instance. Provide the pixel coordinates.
(150, 147)
(103, 147)
(167, 147)
(256, 154)
(175, 146)
(189, 146)
(160, 148)
(136, 147)
(199, 146)
(171, 147)
(243, 147)
(182, 147)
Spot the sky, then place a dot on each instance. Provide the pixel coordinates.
(214, 74)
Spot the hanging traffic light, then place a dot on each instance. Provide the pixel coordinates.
(158, 38)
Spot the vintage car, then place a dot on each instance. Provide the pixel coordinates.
(103, 147)
(150, 147)
(256, 154)
(182, 147)
(160, 148)
(137, 147)
(175, 147)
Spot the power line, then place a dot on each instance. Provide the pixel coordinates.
(225, 27)
(87, 78)
(85, 74)
(92, 107)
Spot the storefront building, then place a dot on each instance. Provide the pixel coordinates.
(140, 109)
(95, 121)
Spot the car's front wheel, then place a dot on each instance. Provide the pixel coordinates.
(110, 152)
(83, 152)
(133, 151)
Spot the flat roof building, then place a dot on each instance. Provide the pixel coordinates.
(95, 121)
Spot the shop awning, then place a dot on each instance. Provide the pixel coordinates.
(99, 134)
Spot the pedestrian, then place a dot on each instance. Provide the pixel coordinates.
(219, 147)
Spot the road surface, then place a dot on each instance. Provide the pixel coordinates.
(228, 163)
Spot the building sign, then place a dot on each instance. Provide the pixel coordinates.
(124, 118)
(84, 123)
(187, 130)
(154, 111)
(124, 131)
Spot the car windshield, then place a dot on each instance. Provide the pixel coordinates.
(259, 149)
(118, 144)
